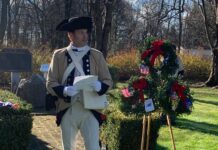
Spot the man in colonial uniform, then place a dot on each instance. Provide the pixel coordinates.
(71, 114)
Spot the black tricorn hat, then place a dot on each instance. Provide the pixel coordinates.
(74, 23)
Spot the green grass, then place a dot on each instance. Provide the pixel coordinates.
(197, 131)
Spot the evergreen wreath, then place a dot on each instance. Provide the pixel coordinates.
(158, 83)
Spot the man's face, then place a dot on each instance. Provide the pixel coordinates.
(79, 36)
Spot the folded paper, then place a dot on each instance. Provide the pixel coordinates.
(91, 99)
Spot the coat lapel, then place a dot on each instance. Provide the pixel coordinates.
(86, 66)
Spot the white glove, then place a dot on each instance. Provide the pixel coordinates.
(96, 86)
(70, 91)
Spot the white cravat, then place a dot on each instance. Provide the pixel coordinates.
(86, 47)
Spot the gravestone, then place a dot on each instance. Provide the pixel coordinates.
(15, 61)
(33, 90)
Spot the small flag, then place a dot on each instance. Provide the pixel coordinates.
(144, 69)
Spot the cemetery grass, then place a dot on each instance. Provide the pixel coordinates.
(197, 131)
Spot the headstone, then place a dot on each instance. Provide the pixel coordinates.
(15, 78)
(33, 90)
(15, 61)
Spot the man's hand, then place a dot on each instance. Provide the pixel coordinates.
(70, 91)
(96, 86)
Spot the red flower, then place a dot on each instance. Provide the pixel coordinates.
(140, 84)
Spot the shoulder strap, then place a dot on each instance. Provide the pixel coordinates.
(74, 63)
(76, 60)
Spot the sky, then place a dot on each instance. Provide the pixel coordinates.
(135, 3)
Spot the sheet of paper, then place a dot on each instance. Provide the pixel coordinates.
(84, 82)
(93, 101)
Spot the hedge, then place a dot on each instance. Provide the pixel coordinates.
(196, 68)
(123, 130)
(15, 124)
(114, 73)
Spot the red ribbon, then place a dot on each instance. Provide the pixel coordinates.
(155, 55)
(145, 54)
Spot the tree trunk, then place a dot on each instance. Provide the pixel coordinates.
(97, 13)
(16, 25)
(3, 23)
(102, 23)
(107, 27)
(9, 36)
(180, 24)
(213, 78)
(67, 4)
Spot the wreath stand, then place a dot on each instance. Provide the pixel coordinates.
(148, 121)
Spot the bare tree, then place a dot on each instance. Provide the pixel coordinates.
(3, 23)
(213, 78)
(194, 28)
(102, 13)
(181, 10)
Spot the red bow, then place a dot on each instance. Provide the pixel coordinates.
(155, 55)
(155, 50)
(157, 44)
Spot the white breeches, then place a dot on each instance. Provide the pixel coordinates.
(78, 118)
